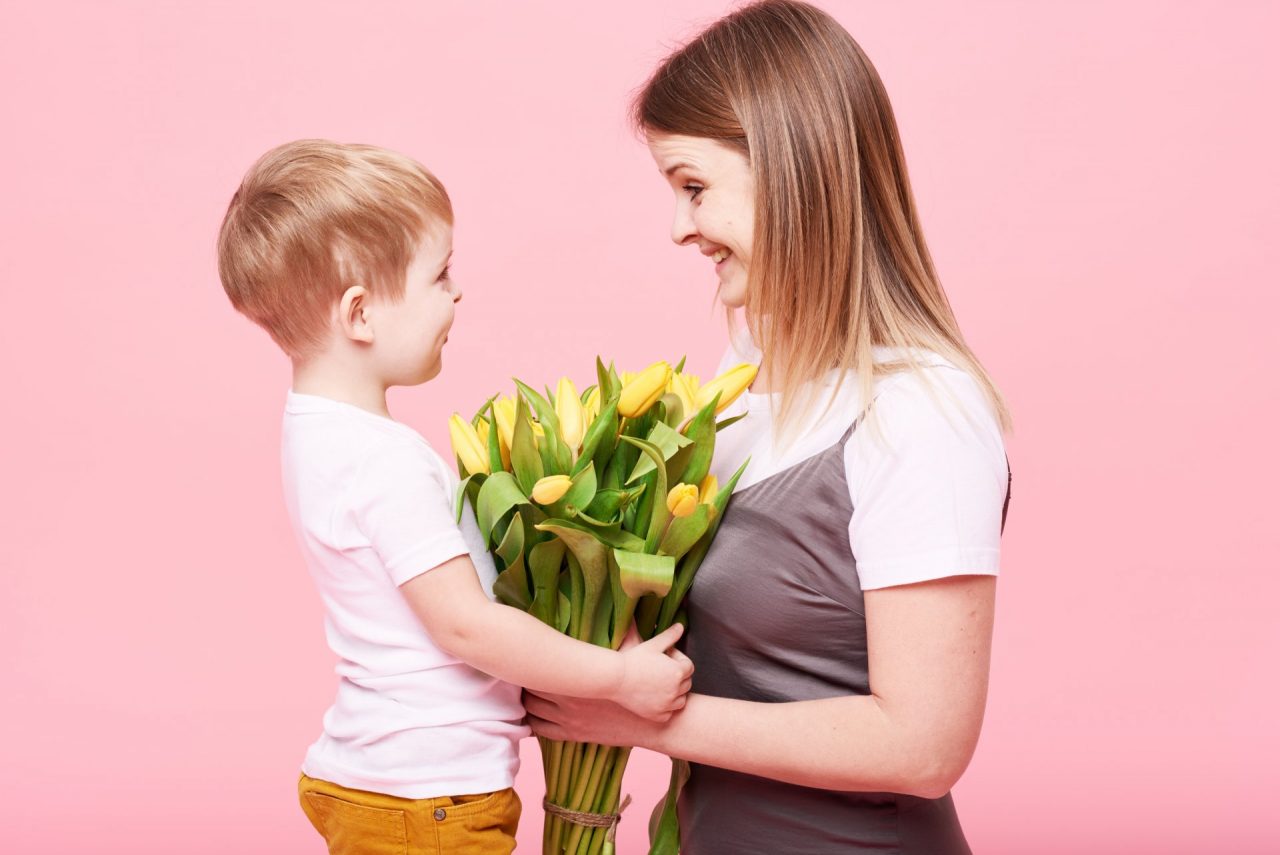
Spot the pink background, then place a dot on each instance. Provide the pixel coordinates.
(1098, 183)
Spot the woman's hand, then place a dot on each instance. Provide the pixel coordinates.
(581, 720)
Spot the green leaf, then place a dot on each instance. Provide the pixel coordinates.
(564, 613)
(658, 513)
(499, 494)
(487, 405)
(680, 365)
(512, 546)
(525, 459)
(556, 460)
(673, 411)
(693, 559)
(606, 504)
(664, 828)
(599, 437)
(511, 588)
(641, 574)
(684, 532)
(667, 441)
(478, 479)
(724, 423)
(610, 534)
(701, 431)
(607, 380)
(591, 556)
(545, 561)
(495, 450)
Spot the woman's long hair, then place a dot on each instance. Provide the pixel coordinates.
(839, 263)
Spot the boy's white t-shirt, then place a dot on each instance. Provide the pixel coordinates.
(928, 487)
(372, 505)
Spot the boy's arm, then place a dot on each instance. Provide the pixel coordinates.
(516, 647)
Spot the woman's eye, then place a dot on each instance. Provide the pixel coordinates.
(693, 190)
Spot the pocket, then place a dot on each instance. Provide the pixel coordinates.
(354, 829)
(481, 825)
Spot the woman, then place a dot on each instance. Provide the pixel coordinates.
(841, 624)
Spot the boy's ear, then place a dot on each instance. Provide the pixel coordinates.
(353, 314)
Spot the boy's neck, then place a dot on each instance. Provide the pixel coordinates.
(332, 379)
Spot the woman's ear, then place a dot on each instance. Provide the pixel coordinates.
(353, 314)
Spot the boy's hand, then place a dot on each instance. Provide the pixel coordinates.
(655, 678)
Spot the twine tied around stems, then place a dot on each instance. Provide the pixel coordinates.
(590, 820)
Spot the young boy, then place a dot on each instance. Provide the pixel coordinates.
(341, 252)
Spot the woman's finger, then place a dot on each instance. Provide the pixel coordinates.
(536, 705)
(542, 727)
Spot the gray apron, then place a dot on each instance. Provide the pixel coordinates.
(775, 615)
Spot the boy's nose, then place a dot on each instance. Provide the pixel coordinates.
(456, 290)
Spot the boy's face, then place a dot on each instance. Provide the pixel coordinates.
(410, 332)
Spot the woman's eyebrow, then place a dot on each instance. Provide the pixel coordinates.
(675, 167)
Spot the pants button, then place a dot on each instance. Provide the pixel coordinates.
(439, 814)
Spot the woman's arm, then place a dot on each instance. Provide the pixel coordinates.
(929, 646)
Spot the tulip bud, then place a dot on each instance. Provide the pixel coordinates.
(682, 500)
(730, 385)
(551, 489)
(685, 387)
(644, 390)
(504, 412)
(591, 409)
(569, 414)
(710, 489)
(466, 444)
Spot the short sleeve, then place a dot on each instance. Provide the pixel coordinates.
(403, 503)
(928, 489)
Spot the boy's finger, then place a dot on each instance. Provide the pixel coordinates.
(668, 636)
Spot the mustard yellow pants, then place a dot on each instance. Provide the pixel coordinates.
(356, 822)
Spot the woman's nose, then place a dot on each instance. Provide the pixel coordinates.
(682, 228)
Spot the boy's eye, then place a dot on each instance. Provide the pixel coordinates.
(693, 190)
(444, 274)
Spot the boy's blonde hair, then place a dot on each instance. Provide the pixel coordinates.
(314, 217)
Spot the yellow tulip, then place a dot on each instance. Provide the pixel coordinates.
(685, 387)
(730, 385)
(467, 445)
(644, 390)
(710, 489)
(569, 414)
(504, 411)
(550, 489)
(591, 409)
(682, 500)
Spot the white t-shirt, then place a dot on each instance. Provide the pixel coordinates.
(927, 494)
(372, 505)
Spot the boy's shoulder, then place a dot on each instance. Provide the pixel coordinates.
(351, 443)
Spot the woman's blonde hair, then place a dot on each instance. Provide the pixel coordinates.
(314, 217)
(839, 263)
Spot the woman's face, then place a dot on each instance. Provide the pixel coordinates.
(715, 205)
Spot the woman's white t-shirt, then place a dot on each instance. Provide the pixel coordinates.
(928, 487)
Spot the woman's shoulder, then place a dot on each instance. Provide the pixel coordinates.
(925, 390)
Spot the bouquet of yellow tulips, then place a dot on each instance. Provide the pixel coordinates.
(598, 508)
